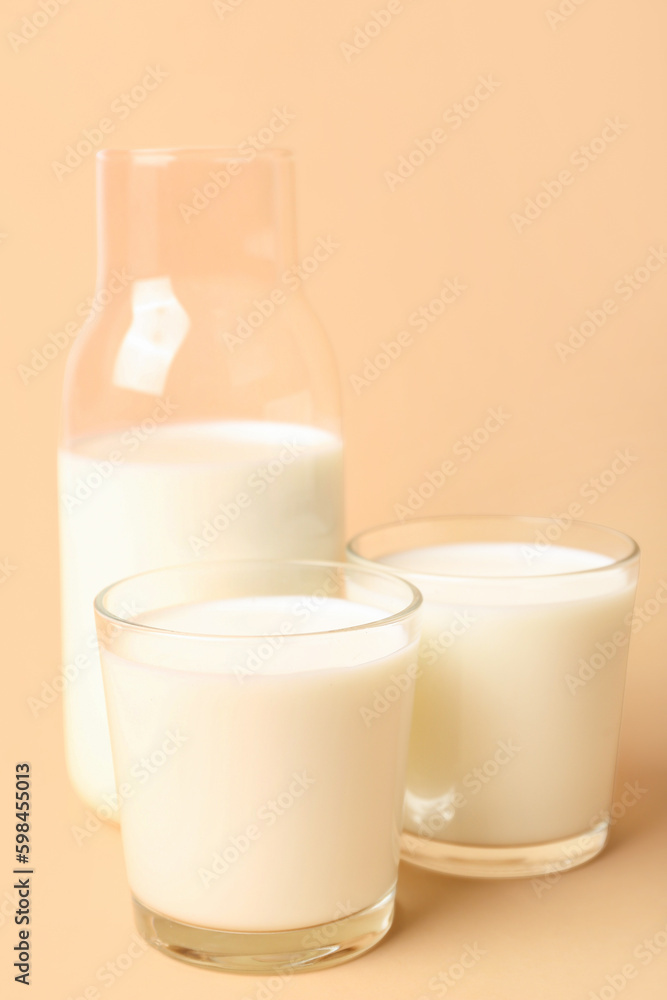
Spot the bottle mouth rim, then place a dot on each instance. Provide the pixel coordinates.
(170, 154)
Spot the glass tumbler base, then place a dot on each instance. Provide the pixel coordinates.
(523, 861)
(268, 952)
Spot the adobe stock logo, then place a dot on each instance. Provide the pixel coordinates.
(217, 180)
(364, 34)
(558, 15)
(120, 109)
(32, 24)
(624, 289)
(551, 190)
(454, 117)
(419, 320)
(222, 7)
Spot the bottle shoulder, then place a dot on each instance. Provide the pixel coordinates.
(217, 349)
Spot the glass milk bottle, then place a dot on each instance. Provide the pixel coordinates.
(201, 415)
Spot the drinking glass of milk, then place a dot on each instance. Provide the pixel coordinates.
(519, 694)
(259, 715)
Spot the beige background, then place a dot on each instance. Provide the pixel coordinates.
(356, 113)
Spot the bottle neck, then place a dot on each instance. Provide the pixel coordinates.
(195, 214)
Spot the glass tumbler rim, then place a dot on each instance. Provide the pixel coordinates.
(632, 555)
(412, 605)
